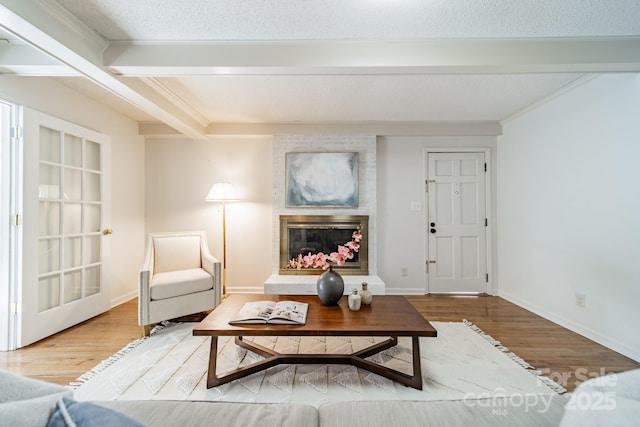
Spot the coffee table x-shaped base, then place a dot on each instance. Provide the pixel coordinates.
(272, 358)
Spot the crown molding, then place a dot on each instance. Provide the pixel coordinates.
(568, 88)
(170, 96)
(462, 128)
(73, 24)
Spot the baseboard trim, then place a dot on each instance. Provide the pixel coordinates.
(246, 290)
(124, 298)
(575, 327)
(404, 291)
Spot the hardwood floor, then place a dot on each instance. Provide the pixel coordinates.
(566, 357)
(65, 356)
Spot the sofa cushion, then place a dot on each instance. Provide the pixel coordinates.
(607, 400)
(17, 387)
(218, 414)
(176, 283)
(27, 402)
(523, 410)
(84, 414)
(173, 253)
(34, 412)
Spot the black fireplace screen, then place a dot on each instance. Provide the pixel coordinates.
(319, 239)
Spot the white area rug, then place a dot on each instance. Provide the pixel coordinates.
(461, 363)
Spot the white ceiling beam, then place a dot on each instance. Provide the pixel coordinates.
(24, 60)
(453, 56)
(45, 26)
(20, 17)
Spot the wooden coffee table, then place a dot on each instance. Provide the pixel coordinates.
(391, 316)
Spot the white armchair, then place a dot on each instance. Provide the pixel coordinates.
(179, 277)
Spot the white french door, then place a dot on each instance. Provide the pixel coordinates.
(65, 214)
(456, 223)
(10, 158)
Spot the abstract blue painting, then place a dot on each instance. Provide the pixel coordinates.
(321, 179)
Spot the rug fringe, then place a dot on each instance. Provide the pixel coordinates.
(116, 356)
(498, 345)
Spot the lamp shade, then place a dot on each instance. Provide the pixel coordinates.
(221, 192)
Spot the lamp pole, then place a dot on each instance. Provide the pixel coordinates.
(224, 249)
(223, 192)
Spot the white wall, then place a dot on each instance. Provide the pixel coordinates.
(569, 210)
(127, 157)
(179, 174)
(401, 231)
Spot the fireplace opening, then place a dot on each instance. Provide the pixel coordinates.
(312, 234)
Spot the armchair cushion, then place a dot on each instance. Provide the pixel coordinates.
(177, 253)
(176, 283)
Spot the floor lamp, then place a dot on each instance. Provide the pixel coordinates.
(223, 192)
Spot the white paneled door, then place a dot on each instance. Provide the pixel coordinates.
(456, 223)
(65, 239)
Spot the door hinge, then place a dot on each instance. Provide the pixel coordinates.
(16, 220)
(429, 181)
(15, 309)
(16, 132)
(485, 167)
(486, 222)
(487, 277)
(429, 261)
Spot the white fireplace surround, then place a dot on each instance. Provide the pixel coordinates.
(365, 146)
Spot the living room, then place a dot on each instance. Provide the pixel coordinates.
(563, 206)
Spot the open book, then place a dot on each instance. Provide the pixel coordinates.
(282, 312)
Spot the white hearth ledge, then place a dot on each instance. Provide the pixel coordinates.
(306, 284)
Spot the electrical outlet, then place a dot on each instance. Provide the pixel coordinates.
(581, 300)
(404, 272)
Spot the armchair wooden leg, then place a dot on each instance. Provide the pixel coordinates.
(146, 330)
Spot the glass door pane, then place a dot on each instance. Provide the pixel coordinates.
(92, 157)
(48, 292)
(49, 192)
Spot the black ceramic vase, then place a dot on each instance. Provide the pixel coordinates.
(330, 287)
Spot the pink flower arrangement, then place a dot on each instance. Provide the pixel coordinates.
(322, 260)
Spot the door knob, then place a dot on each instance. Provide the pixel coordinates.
(107, 231)
(433, 224)
(433, 230)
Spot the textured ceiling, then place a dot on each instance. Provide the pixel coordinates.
(160, 20)
(363, 98)
(358, 95)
